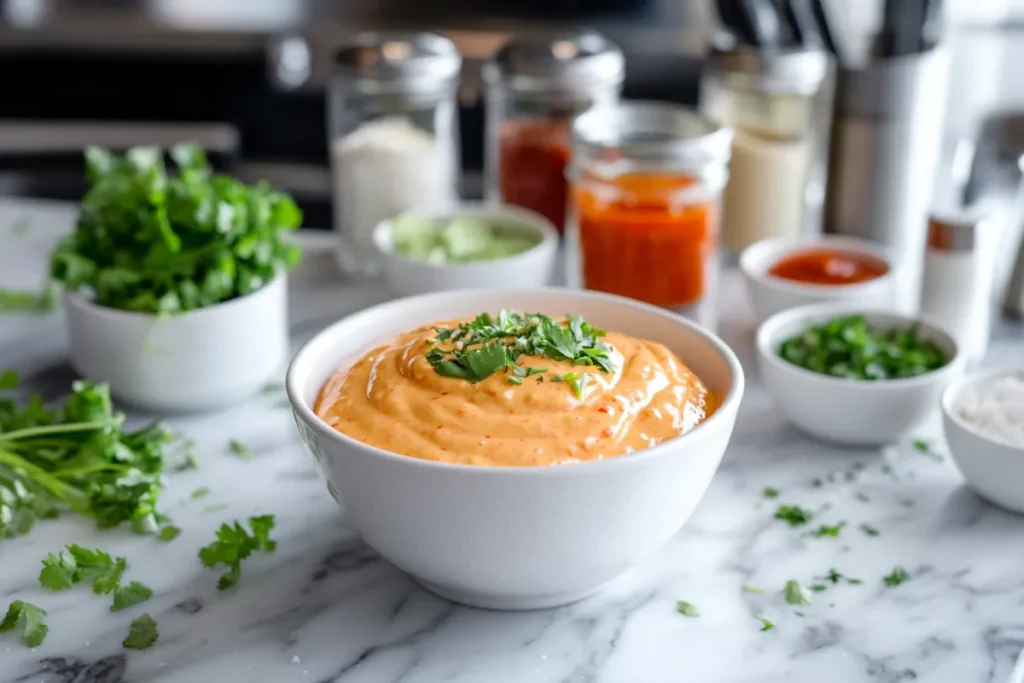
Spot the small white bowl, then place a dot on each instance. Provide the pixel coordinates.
(846, 411)
(516, 537)
(769, 295)
(995, 470)
(530, 268)
(194, 361)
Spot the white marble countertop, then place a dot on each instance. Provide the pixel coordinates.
(326, 608)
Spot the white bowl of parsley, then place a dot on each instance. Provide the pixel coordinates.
(175, 283)
(474, 246)
(859, 377)
(516, 537)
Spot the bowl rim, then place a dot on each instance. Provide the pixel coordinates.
(765, 342)
(530, 220)
(75, 299)
(773, 249)
(730, 402)
(957, 386)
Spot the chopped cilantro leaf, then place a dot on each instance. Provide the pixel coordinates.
(239, 449)
(797, 594)
(896, 577)
(234, 544)
(828, 530)
(58, 571)
(766, 624)
(169, 533)
(770, 492)
(687, 609)
(200, 492)
(752, 589)
(132, 594)
(818, 587)
(142, 633)
(794, 515)
(869, 530)
(30, 618)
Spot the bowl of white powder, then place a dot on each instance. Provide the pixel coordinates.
(983, 418)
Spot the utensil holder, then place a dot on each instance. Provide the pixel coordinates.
(884, 157)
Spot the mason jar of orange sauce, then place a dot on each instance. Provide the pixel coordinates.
(645, 182)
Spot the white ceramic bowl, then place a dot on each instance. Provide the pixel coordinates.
(198, 360)
(527, 269)
(993, 469)
(508, 537)
(845, 411)
(769, 295)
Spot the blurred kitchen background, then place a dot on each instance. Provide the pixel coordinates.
(246, 78)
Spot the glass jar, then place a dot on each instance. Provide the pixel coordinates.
(393, 132)
(535, 86)
(646, 181)
(778, 108)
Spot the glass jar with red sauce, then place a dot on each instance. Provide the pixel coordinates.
(535, 85)
(646, 183)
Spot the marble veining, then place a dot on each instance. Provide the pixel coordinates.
(325, 608)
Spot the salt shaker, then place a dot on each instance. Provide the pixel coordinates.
(957, 280)
(393, 131)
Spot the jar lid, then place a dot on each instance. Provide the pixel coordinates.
(954, 232)
(798, 70)
(572, 61)
(652, 131)
(395, 61)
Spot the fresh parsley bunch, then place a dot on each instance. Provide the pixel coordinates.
(151, 242)
(78, 457)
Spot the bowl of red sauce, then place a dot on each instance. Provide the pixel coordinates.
(783, 273)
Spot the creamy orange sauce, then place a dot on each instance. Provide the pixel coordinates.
(393, 399)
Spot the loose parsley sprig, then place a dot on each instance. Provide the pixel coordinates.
(30, 618)
(475, 350)
(78, 457)
(234, 544)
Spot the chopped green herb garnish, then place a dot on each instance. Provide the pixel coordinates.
(766, 624)
(476, 350)
(30, 618)
(151, 242)
(687, 609)
(818, 587)
(848, 347)
(132, 594)
(200, 492)
(217, 507)
(794, 515)
(142, 633)
(869, 530)
(12, 301)
(770, 492)
(834, 577)
(925, 448)
(234, 544)
(752, 589)
(896, 577)
(828, 530)
(75, 564)
(77, 457)
(169, 533)
(239, 449)
(797, 594)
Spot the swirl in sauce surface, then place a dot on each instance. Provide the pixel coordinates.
(393, 399)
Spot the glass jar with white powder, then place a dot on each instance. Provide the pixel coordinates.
(393, 132)
(777, 103)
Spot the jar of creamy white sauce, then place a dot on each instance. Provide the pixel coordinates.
(393, 132)
(776, 103)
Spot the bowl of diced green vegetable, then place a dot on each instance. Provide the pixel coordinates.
(474, 246)
(853, 376)
(175, 282)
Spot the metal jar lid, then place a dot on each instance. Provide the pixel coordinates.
(396, 62)
(954, 232)
(573, 61)
(799, 71)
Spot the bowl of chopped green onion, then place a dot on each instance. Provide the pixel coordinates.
(853, 376)
(474, 246)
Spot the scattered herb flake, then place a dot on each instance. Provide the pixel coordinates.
(766, 624)
(142, 633)
(234, 544)
(896, 577)
(132, 594)
(240, 449)
(794, 515)
(752, 589)
(216, 507)
(200, 492)
(169, 533)
(828, 530)
(797, 593)
(869, 530)
(30, 618)
(818, 587)
(834, 577)
(687, 609)
(770, 492)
